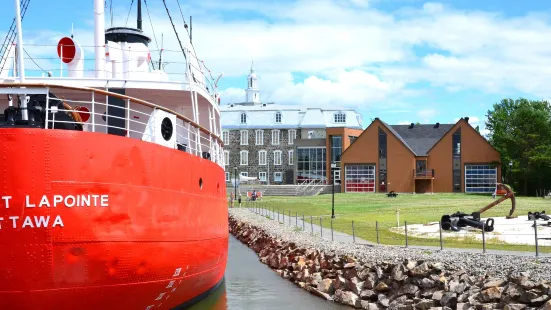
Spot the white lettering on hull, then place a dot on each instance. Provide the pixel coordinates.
(68, 201)
(45, 221)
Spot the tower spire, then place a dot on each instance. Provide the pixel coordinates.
(252, 91)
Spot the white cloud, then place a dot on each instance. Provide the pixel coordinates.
(427, 114)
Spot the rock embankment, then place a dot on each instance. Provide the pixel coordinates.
(384, 277)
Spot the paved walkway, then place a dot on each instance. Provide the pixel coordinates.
(313, 225)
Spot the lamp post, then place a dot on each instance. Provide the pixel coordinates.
(510, 172)
(333, 167)
(235, 183)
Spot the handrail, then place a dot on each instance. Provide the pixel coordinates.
(120, 96)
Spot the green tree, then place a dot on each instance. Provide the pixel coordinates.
(521, 131)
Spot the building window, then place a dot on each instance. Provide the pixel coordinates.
(382, 161)
(262, 158)
(311, 164)
(291, 159)
(244, 137)
(480, 178)
(336, 148)
(292, 136)
(352, 139)
(340, 117)
(243, 118)
(226, 137)
(250, 82)
(259, 138)
(275, 137)
(227, 157)
(456, 160)
(278, 117)
(359, 178)
(277, 158)
(262, 176)
(245, 174)
(278, 177)
(227, 176)
(244, 158)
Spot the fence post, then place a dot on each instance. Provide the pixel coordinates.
(321, 228)
(283, 217)
(312, 224)
(296, 219)
(536, 237)
(278, 215)
(332, 230)
(303, 225)
(484, 239)
(377, 229)
(353, 233)
(406, 228)
(289, 218)
(441, 241)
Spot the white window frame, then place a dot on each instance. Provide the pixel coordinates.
(260, 161)
(243, 118)
(361, 181)
(259, 137)
(280, 117)
(244, 158)
(262, 176)
(227, 177)
(481, 177)
(275, 136)
(339, 117)
(227, 157)
(276, 174)
(291, 157)
(292, 136)
(244, 173)
(244, 139)
(225, 137)
(278, 155)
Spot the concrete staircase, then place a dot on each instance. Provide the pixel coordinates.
(286, 190)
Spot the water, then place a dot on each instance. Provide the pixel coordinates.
(249, 284)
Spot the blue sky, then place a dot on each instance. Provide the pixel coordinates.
(400, 60)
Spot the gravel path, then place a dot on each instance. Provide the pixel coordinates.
(477, 264)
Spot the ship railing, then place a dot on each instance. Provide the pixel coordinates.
(128, 117)
(46, 60)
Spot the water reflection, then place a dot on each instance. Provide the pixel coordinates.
(249, 284)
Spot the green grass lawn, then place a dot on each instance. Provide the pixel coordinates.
(368, 209)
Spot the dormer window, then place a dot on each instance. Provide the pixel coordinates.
(278, 117)
(340, 117)
(243, 118)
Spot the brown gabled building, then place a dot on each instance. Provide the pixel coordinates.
(421, 158)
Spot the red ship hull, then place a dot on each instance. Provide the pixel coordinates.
(97, 221)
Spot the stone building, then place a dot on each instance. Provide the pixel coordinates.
(284, 144)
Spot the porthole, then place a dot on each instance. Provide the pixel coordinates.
(166, 128)
(200, 183)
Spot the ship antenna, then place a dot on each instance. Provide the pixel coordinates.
(140, 14)
(190, 29)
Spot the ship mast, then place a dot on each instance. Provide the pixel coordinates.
(139, 26)
(20, 64)
(99, 37)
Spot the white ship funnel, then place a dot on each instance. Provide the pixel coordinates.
(70, 52)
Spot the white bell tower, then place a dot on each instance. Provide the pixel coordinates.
(252, 91)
